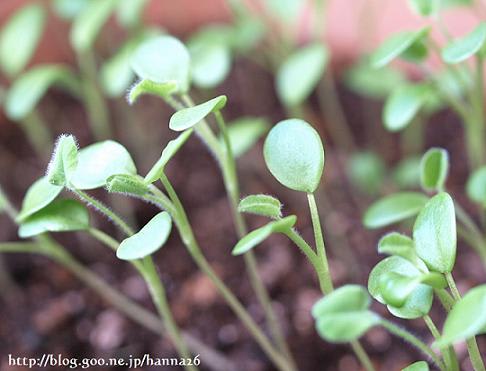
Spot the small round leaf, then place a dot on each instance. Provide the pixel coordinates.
(188, 117)
(348, 298)
(148, 240)
(434, 168)
(58, 216)
(19, 38)
(300, 74)
(460, 50)
(294, 154)
(40, 194)
(434, 233)
(163, 59)
(394, 208)
(466, 319)
(99, 161)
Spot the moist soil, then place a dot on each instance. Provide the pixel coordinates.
(45, 309)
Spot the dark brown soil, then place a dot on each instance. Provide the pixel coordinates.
(46, 310)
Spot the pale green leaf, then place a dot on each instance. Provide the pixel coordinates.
(417, 366)
(64, 161)
(143, 87)
(261, 205)
(129, 13)
(40, 194)
(244, 132)
(69, 9)
(461, 49)
(434, 168)
(188, 117)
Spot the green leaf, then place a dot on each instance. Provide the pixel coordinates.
(69, 9)
(40, 194)
(169, 151)
(466, 319)
(407, 173)
(19, 38)
(371, 82)
(417, 303)
(419, 365)
(143, 87)
(476, 186)
(393, 208)
(163, 59)
(210, 56)
(298, 76)
(294, 155)
(148, 240)
(26, 92)
(403, 104)
(64, 161)
(425, 8)
(400, 245)
(89, 22)
(434, 168)
(461, 49)
(98, 161)
(396, 46)
(244, 132)
(366, 170)
(434, 233)
(127, 184)
(58, 216)
(129, 13)
(343, 315)
(188, 117)
(261, 205)
(259, 235)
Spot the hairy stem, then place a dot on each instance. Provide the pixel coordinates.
(448, 353)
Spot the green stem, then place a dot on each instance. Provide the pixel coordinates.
(187, 236)
(38, 133)
(412, 339)
(304, 247)
(159, 297)
(448, 353)
(362, 355)
(93, 99)
(323, 272)
(472, 346)
(103, 209)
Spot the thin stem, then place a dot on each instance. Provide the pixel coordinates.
(323, 272)
(472, 346)
(159, 296)
(37, 132)
(303, 246)
(446, 300)
(362, 355)
(103, 209)
(187, 236)
(448, 353)
(412, 339)
(93, 99)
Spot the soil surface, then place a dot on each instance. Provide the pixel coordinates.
(45, 309)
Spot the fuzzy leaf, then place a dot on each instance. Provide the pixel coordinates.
(40, 194)
(396, 46)
(244, 133)
(434, 168)
(64, 161)
(98, 161)
(88, 23)
(19, 38)
(461, 49)
(434, 233)
(466, 319)
(393, 208)
(58, 216)
(261, 205)
(402, 106)
(26, 92)
(417, 303)
(169, 151)
(163, 59)
(476, 186)
(294, 155)
(188, 117)
(259, 235)
(126, 183)
(343, 315)
(148, 240)
(143, 87)
(300, 73)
